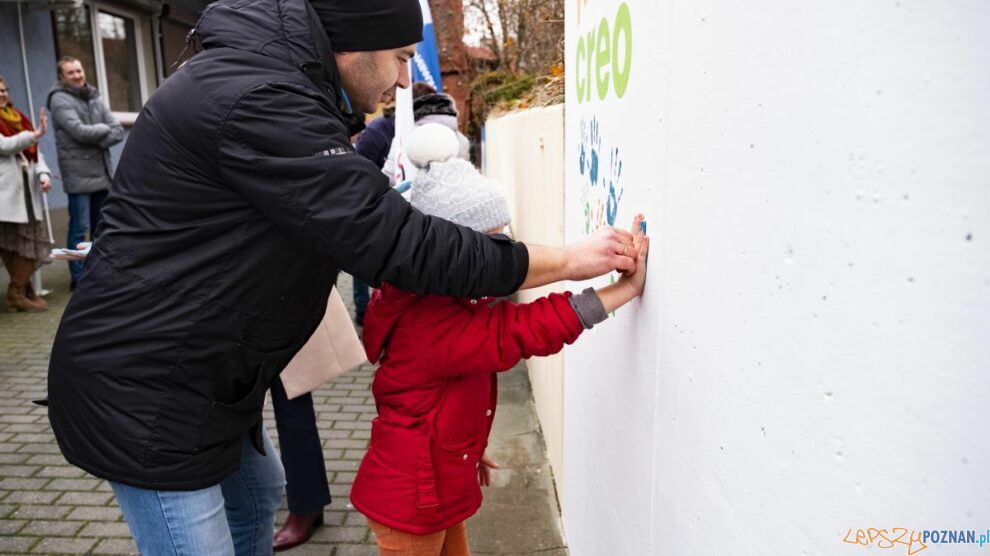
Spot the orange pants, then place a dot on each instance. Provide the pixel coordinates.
(392, 542)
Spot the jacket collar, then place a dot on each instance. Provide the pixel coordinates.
(86, 92)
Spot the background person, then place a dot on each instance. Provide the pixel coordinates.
(85, 129)
(24, 176)
(439, 108)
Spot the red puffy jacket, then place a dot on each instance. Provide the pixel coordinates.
(435, 391)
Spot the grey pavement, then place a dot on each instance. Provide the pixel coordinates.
(50, 507)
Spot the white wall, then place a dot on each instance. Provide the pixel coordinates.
(811, 352)
(524, 151)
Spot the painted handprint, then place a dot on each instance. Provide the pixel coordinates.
(584, 193)
(595, 144)
(588, 149)
(614, 187)
(582, 147)
(599, 194)
(593, 208)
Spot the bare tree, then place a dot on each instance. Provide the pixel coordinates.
(526, 36)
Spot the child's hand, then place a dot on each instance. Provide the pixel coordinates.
(629, 285)
(484, 470)
(636, 280)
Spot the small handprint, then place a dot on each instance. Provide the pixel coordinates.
(595, 145)
(599, 199)
(584, 195)
(582, 146)
(615, 189)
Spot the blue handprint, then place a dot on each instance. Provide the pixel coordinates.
(596, 146)
(581, 147)
(615, 189)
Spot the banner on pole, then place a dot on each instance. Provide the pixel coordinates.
(426, 63)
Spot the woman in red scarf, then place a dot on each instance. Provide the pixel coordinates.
(24, 176)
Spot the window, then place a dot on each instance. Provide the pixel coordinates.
(120, 62)
(74, 37)
(174, 28)
(114, 46)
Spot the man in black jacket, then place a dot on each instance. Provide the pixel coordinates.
(237, 199)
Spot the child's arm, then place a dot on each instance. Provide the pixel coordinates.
(496, 338)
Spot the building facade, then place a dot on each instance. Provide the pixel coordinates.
(127, 47)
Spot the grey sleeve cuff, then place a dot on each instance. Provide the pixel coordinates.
(588, 307)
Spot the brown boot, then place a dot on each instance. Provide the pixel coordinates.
(20, 278)
(33, 297)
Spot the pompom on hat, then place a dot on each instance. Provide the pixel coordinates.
(452, 188)
(431, 143)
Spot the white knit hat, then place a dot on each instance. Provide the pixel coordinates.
(449, 187)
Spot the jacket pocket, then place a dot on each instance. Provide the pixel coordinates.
(456, 466)
(235, 407)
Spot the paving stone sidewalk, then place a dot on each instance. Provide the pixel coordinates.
(50, 507)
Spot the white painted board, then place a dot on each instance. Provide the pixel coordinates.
(810, 356)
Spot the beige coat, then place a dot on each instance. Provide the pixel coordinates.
(12, 208)
(331, 351)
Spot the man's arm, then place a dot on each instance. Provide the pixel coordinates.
(64, 113)
(606, 250)
(329, 200)
(116, 130)
(314, 188)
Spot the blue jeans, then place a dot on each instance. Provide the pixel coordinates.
(84, 214)
(236, 517)
(360, 300)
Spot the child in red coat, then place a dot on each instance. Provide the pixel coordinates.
(436, 387)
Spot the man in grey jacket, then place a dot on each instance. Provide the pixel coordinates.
(84, 132)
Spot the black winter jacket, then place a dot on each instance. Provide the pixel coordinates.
(237, 199)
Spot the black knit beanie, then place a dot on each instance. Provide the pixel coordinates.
(434, 103)
(354, 25)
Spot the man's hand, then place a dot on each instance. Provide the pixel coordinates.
(606, 250)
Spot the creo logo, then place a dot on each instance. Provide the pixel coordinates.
(604, 57)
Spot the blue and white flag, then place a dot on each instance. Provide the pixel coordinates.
(426, 64)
